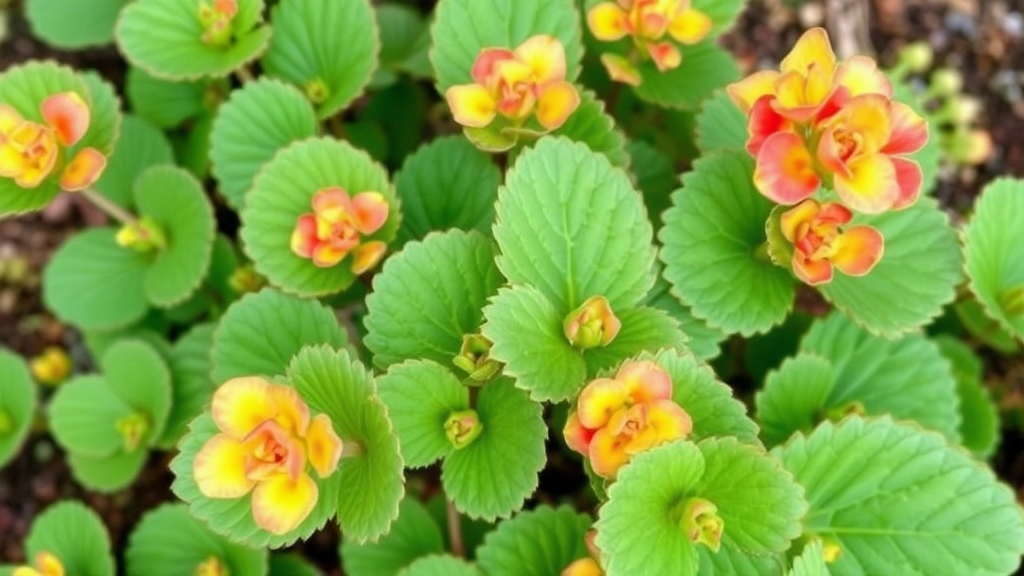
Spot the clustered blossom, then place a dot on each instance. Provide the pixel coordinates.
(819, 243)
(625, 415)
(30, 152)
(216, 19)
(46, 565)
(652, 25)
(515, 86)
(266, 440)
(338, 226)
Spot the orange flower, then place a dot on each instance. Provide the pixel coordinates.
(621, 416)
(46, 565)
(652, 25)
(337, 226)
(266, 440)
(819, 243)
(30, 151)
(516, 85)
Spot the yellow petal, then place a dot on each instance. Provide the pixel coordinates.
(367, 255)
(860, 75)
(323, 446)
(240, 405)
(690, 26)
(280, 504)
(620, 69)
(868, 116)
(872, 186)
(607, 454)
(583, 567)
(545, 56)
(794, 221)
(557, 102)
(9, 119)
(749, 90)
(812, 49)
(608, 22)
(12, 162)
(599, 401)
(645, 381)
(472, 105)
(292, 413)
(219, 468)
(84, 170)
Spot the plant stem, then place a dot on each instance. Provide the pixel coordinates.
(454, 529)
(109, 207)
(244, 74)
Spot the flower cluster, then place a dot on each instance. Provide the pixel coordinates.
(216, 19)
(266, 440)
(46, 565)
(514, 86)
(337, 228)
(30, 152)
(819, 243)
(625, 415)
(652, 25)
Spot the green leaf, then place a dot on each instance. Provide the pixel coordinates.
(82, 417)
(404, 321)
(413, 535)
(493, 475)
(283, 192)
(135, 372)
(259, 334)
(591, 125)
(655, 177)
(893, 496)
(259, 119)
(108, 474)
(165, 38)
(95, 284)
(190, 366)
(18, 404)
(795, 397)
(292, 565)
(642, 329)
(810, 562)
(140, 146)
(167, 104)
(74, 25)
(979, 417)
(715, 230)
(192, 149)
(170, 542)
(995, 255)
(703, 340)
(371, 483)
(915, 278)
(176, 202)
(75, 535)
(462, 28)
(529, 338)
(723, 13)
(639, 530)
(420, 396)
(440, 565)
(705, 68)
(332, 43)
(977, 323)
(447, 184)
(729, 561)
(539, 542)
(405, 40)
(573, 226)
(721, 126)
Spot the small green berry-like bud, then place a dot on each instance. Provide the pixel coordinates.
(142, 235)
(132, 428)
(701, 523)
(591, 325)
(946, 82)
(916, 57)
(474, 358)
(317, 91)
(462, 428)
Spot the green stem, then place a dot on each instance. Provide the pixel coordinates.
(108, 207)
(454, 529)
(244, 74)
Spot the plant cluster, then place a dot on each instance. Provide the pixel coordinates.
(400, 336)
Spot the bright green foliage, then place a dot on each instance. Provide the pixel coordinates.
(17, 404)
(591, 125)
(167, 104)
(72, 25)
(405, 40)
(413, 535)
(705, 68)
(440, 565)
(655, 177)
(892, 495)
(721, 126)
(535, 543)
(810, 562)
(795, 397)
(702, 340)
(930, 156)
(979, 418)
(74, 534)
(328, 49)
(169, 542)
(978, 324)
(140, 146)
(189, 361)
(291, 565)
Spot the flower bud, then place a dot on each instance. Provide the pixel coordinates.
(317, 91)
(462, 428)
(143, 235)
(474, 358)
(6, 424)
(946, 82)
(132, 428)
(970, 147)
(916, 57)
(212, 566)
(591, 325)
(51, 367)
(246, 279)
(1012, 301)
(850, 409)
(831, 550)
(701, 523)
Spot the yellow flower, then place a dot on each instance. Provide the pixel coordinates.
(46, 565)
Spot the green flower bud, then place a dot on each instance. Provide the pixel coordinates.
(701, 523)
(143, 235)
(591, 325)
(132, 428)
(916, 57)
(474, 358)
(462, 428)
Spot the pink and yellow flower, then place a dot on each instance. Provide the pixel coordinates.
(622, 416)
(820, 243)
(338, 226)
(819, 122)
(46, 565)
(216, 18)
(528, 82)
(267, 441)
(30, 151)
(653, 25)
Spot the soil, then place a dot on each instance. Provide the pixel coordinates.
(982, 39)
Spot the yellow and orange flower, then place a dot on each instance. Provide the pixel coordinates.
(46, 565)
(819, 242)
(266, 440)
(652, 25)
(622, 416)
(338, 226)
(819, 122)
(30, 151)
(517, 85)
(216, 18)
(589, 566)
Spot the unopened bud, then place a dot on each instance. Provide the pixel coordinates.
(142, 235)
(962, 110)
(970, 147)
(849, 409)
(212, 566)
(831, 550)
(701, 523)
(591, 325)
(317, 91)
(916, 57)
(132, 429)
(475, 358)
(246, 279)
(51, 367)
(946, 82)
(462, 428)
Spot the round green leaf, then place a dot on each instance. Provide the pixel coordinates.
(258, 120)
(714, 231)
(283, 192)
(972, 316)
(573, 226)
(979, 417)
(591, 125)
(165, 38)
(462, 28)
(140, 146)
(794, 397)
(176, 202)
(292, 565)
(82, 417)
(260, 334)
(458, 267)
(18, 404)
(95, 284)
(413, 535)
(420, 396)
(729, 561)
(192, 149)
(447, 184)
(75, 535)
(108, 474)
(705, 68)
(170, 542)
(721, 126)
(440, 565)
(539, 542)
(190, 366)
(371, 483)
(893, 495)
(493, 475)
(915, 278)
(165, 103)
(995, 255)
(326, 42)
(73, 25)
(136, 373)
